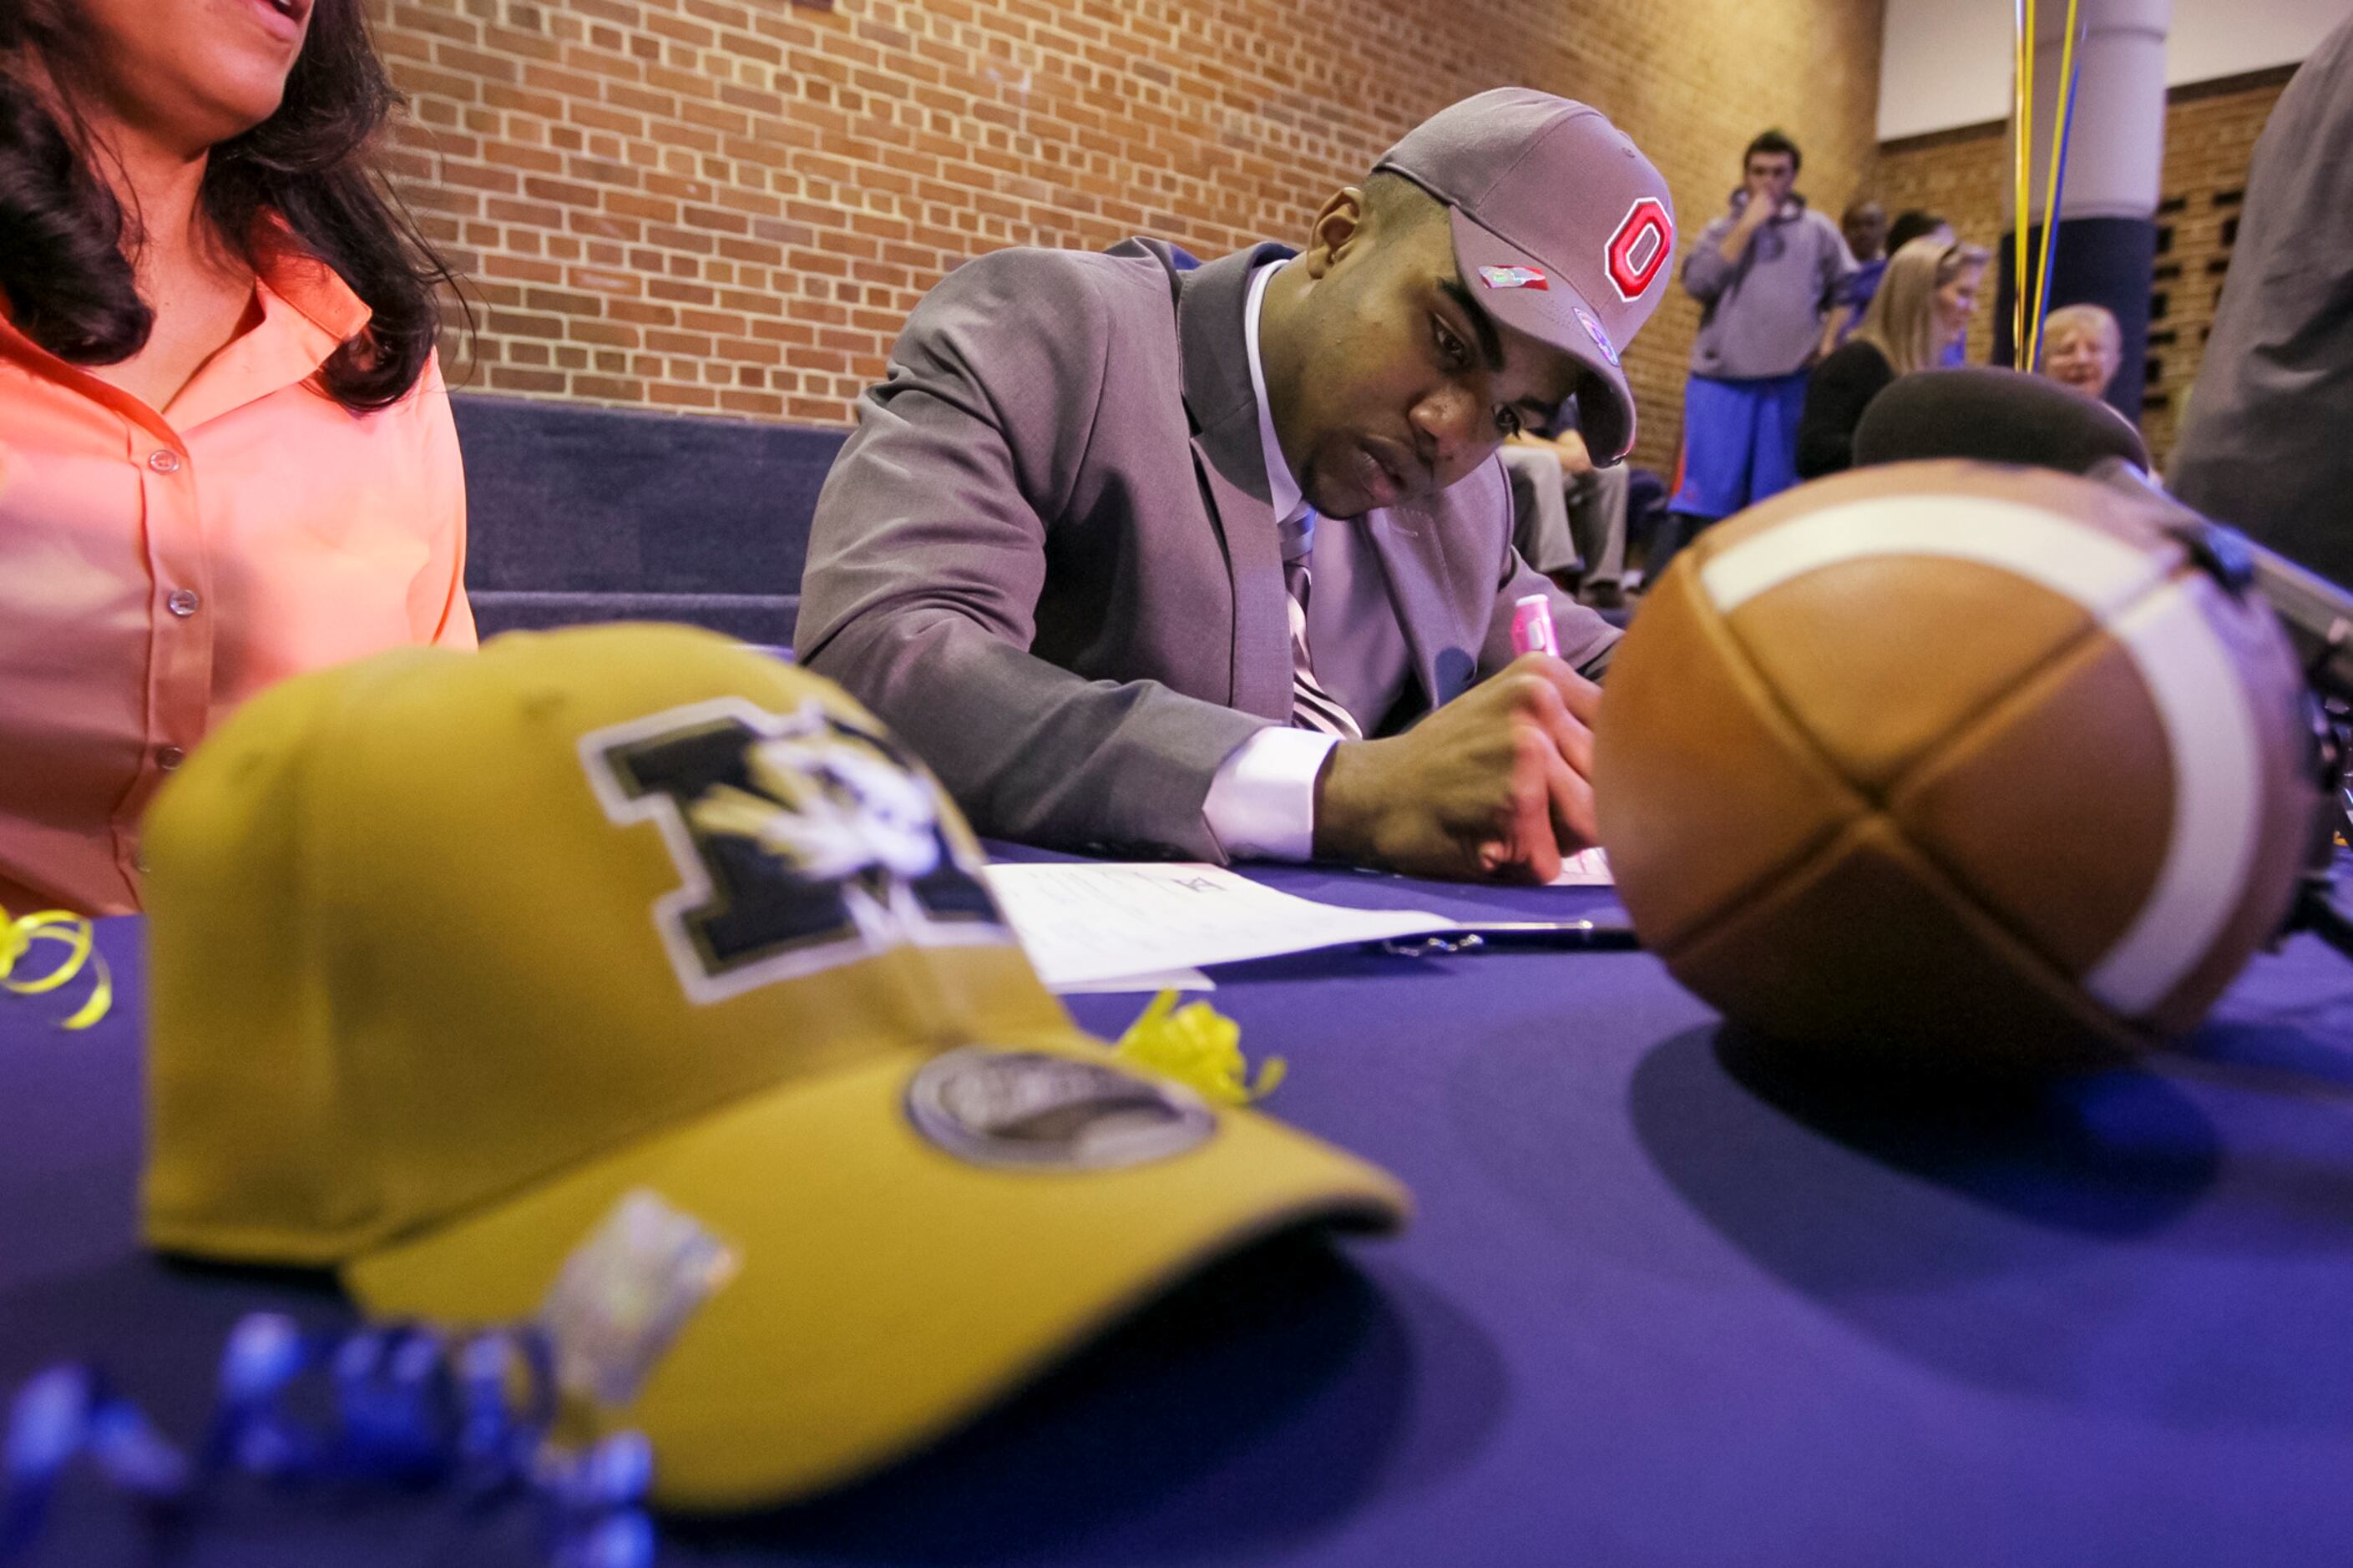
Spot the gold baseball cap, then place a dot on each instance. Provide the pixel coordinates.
(450, 953)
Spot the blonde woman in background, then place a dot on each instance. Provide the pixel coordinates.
(1922, 309)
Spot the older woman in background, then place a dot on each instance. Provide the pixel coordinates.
(1922, 309)
(226, 452)
(2082, 348)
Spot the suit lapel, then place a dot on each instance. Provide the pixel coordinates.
(1215, 357)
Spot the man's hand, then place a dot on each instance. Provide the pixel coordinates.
(1834, 327)
(1752, 215)
(1495, 784)
(1764, 200)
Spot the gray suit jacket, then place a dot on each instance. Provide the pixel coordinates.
(2263, 443)
(1047, 559)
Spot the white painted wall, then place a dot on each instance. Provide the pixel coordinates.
(2223, 37)
(1946, 62)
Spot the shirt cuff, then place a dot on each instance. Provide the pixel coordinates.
(1261, 803)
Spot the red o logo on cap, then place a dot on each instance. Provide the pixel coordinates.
(1639, 248)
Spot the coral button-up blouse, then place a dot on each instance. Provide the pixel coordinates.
(156, 569)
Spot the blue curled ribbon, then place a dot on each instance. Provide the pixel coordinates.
(413, 1408)
(68, 1410)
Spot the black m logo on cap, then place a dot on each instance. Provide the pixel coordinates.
(801, 842)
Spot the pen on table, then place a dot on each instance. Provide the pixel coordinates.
(1572, 936)
(1532, 630)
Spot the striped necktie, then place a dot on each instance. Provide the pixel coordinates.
(1312, 707)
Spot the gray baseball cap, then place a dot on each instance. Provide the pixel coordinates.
(1563, 231)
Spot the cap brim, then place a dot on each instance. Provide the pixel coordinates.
(889, 1291)
(1605, 404)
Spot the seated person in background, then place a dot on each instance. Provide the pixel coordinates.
(1136, 554)
(225, 454)
(1568, 515)
(1917, 223)
(1924, 305)
(2082, 348)
(1864, 226)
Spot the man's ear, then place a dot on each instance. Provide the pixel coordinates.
(1341, 227)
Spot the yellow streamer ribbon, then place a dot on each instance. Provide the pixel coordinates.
(2022, 172)
(17, 935)
(2050, 192)
(1201, 1048)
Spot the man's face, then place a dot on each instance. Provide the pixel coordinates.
(1770, 175)
(2082, 355)
(1387, 380)
(1866, 230)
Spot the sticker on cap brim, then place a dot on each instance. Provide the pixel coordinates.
(1030, 1110)
(1600, 338)
(626, 1291)
(1514, 278)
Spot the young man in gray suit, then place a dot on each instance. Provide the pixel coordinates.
(1148, 557)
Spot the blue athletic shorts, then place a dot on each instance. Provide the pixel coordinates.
(1740, 442)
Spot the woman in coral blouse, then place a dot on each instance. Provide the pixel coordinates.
(226, 451)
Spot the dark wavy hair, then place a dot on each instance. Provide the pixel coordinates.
(1770, 142)
(64, 262)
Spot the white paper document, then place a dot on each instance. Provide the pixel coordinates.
(1094, 920)
(1586, 869)
(1158, 979)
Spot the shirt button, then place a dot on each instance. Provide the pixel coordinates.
(164, 460)
(170, 757)
(182, 602)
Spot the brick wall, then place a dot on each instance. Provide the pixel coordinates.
(728, 206)
(2209, 134)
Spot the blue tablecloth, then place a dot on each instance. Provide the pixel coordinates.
(1666, 1301)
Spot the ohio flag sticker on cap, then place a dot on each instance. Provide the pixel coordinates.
(1513, 278)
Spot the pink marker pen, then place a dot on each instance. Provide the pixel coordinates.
(1532, 626)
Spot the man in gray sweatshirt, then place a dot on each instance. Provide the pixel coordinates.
(1764, 274)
